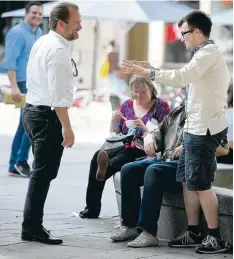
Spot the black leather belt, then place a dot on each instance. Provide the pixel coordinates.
(38, 107)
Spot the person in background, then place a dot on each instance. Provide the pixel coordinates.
(112, 58)
(144, 107)
(18, 44)
(118, 89)
(230, 96)
(228, 159)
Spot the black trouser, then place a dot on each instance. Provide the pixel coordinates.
(118, 158)
(44, 129)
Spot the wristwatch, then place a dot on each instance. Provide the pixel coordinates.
(152, 74)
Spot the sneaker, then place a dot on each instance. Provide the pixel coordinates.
(117, 225)
(145, 239)
(211, 245)
(125, 234)
(186, 239)
(13, 173)
(102, 161)
(23, 168)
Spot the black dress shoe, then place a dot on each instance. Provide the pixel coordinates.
(41, 235)
(87, 214)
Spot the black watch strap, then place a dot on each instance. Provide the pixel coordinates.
(152, 74)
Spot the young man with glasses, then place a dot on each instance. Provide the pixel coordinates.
(50, 74)
(206, 125)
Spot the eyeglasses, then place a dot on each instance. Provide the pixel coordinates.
(185, 32)
(75, 73)
(138, 93)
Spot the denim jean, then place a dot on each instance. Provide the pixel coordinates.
(21, 143)
(157, 177)
(45, 131)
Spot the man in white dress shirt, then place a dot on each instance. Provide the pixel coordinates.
(50, 74)
(206, 126)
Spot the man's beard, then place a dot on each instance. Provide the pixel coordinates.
(72, 36)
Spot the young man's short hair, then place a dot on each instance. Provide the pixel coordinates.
(198, 20)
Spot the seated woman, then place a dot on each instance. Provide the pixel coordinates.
(144, 106)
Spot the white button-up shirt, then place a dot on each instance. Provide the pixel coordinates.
(50, 72)
(208, 79)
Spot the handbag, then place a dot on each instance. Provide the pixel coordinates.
(118, 141)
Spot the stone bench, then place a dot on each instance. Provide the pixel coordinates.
(224, 176)
(173, 217)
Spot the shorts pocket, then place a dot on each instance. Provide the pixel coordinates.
(201, 173)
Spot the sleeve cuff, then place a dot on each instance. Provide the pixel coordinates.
(11, 67)
(62, 103)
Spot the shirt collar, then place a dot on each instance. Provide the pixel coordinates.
(28, 27)
(207, 42)
(57, 35)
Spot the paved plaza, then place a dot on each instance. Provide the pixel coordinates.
(82, 238)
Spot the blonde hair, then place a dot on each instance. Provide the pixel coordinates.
(146, 81)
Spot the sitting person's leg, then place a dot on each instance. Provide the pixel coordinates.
(93, 192)
(132, 178)
(95, 189)
(116, 159)
(112, 158)
(159, 177)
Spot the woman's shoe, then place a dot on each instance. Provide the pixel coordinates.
(102, 161)
(86, 214)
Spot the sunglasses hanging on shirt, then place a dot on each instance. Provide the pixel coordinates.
(75, 70)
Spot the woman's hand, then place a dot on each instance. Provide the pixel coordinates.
(117, 115)
(138, 123)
